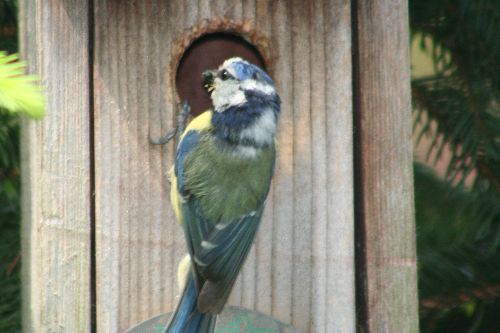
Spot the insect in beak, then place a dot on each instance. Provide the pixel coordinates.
(208, 80)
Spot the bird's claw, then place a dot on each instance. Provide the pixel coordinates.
(179, 129)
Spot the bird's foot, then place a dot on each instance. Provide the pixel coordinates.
(179, 129)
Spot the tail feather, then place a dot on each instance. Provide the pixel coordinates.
(187, 318)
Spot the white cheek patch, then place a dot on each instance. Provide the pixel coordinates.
(237, 98)
(262, 130)
(258, 86)
(227, 94)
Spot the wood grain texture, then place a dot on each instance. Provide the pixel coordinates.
(389, 294)
(263, 242)
(55, 170)
(137, 239)
(301, 270)
(339, 190)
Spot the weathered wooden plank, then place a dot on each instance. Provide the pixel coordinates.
(339, 194)
(302, 163)
(388, 288)
(283, 220)
(55, 170)
(319, 171)
(137, 236)
(263, 242)
(294, 264)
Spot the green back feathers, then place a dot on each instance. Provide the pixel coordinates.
(227, 185)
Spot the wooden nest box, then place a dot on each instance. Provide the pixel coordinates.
(335, 251)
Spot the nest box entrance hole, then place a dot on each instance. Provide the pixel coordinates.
(209, 52)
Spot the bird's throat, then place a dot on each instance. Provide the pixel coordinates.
(246, 126)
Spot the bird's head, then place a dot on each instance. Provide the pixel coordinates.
(245, 103)
(235, 82)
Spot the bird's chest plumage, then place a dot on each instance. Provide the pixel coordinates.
(227, 181)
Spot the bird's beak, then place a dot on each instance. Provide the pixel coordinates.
(208, 80)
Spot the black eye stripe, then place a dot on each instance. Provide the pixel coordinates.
(224, 75)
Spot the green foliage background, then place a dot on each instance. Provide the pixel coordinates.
(458, 225)
(10, 283)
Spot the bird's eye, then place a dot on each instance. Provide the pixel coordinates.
(224, 75)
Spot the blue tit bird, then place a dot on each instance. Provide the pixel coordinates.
(219, 184)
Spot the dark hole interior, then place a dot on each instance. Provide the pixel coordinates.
(209, 52)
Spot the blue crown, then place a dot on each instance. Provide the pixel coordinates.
(245, 70)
